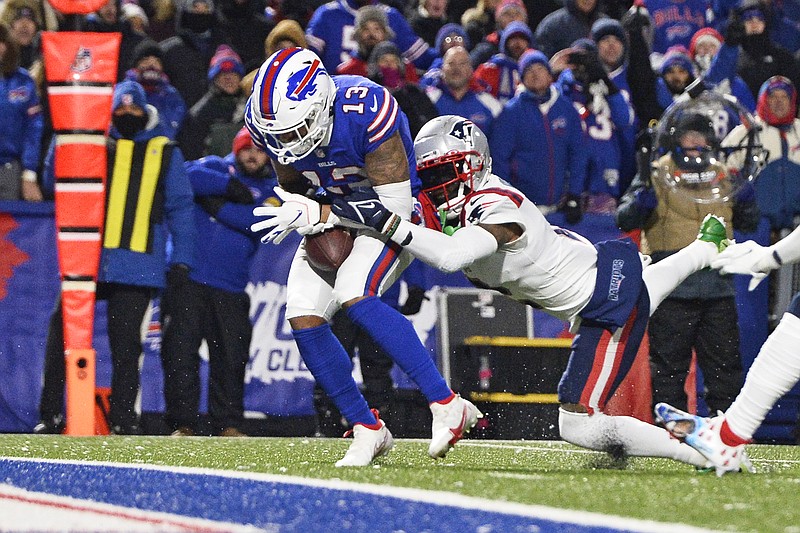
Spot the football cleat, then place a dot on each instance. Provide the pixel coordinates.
(367, 444)
(712, 229)
(702, 434)
(450, 422)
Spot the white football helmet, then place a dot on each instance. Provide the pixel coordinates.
(452, 161)
(290, 110)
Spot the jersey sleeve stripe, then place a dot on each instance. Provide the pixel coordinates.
(315, 42)
(514, 197)
(387, 127)
(414, 51)
(387, 102)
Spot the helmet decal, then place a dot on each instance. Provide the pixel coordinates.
(462, 131)
(302, 83)
(267, 109)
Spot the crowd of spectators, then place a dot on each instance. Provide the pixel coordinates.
(620, 63)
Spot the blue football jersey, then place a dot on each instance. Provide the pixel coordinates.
(331, 34)
(365, 116)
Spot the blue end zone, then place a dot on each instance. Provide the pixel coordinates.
(272, 504)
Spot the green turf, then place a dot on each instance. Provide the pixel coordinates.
(533, 472)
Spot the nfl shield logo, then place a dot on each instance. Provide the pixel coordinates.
(82, 61)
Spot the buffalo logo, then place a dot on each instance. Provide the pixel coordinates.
(20, 94)
(463, 131)
(303, 83)
(82, 61)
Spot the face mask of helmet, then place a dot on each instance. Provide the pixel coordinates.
(447, 181)
(296, 142)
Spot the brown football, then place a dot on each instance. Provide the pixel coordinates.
(327, 250)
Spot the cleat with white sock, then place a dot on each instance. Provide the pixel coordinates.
(703, 435)
(450, 422)
(367, 444)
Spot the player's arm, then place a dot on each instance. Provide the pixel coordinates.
(752, 259)
(290, 179)
(387, 171)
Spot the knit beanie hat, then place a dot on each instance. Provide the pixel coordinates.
(242, 141)
(450, 29)
(677, 56)
(146, 48)
(506, 4)
(762, 107)
(608, 26)
(532, 57)
(130, 10)
(129, 92)
(225, 60)
(373, 13)
(704, 35)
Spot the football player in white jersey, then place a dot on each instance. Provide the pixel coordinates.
(501, 241)
(340, 134)
(774, 372)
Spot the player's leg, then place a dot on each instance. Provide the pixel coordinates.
(598, 364)
(662, 277)
(372, 267)
(774, 372)
(309, 306)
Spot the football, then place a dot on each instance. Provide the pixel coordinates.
(327, 250)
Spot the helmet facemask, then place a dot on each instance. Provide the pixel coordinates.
(447, 181)
(295, 142)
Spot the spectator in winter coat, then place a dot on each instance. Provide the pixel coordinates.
(456, 93)
(500, 73)
(372, 27)
(386, 67)
(677, 73)
(212, 303)
(243, 21)
(132, 263)
(107, 20)
(187, 54)
(563, 27)
(21, 125)
(148, 70)
(487, 45)
(778, 183)
(759, 57)
(449, 36)
(537, 143)
(211, 124)
(428, 18)
(718, 70)
(328, 34)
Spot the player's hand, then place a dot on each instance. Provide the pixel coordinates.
(365, 208)
(295, 213)
(748, 258)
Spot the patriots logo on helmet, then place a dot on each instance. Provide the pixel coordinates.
(303, 83)
(462, 131)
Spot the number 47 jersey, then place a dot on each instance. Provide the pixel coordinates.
(365, 116)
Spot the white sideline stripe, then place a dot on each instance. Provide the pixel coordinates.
(430, 497)
(80, 138)
(65, 186)
(22, 509)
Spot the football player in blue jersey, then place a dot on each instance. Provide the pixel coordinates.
(341, 134)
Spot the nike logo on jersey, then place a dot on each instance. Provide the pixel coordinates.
(374, 104)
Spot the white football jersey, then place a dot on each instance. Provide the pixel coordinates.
(547, 267)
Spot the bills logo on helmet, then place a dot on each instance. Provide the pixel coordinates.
(463, 131)
(303, 83)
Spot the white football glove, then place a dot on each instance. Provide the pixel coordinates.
(748, 258)
(295, 213)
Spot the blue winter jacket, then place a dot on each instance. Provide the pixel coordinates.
(227, 245)
(119, 265)
(22, 122)
(167, 100)
(543, 155)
